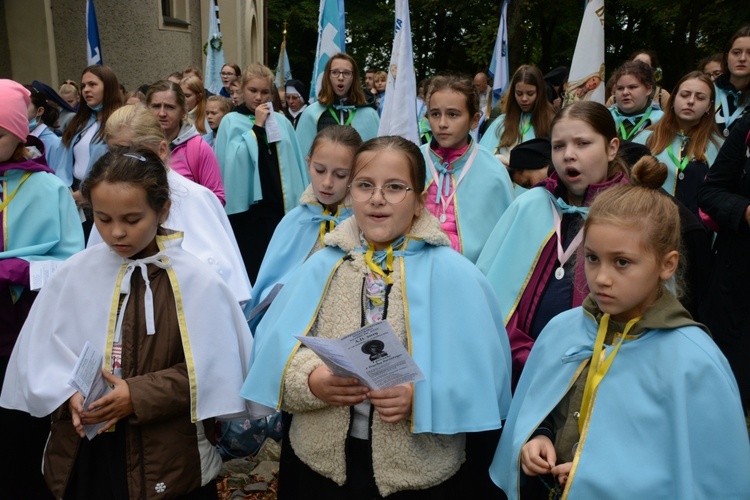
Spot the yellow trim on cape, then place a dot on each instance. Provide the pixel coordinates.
(112, 323)
(408, 328)
(528, 277)
(307, 330)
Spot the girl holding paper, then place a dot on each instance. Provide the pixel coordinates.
(345, 440)
(264, 176)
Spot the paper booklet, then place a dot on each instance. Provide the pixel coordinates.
(373, 354)
(87, 379)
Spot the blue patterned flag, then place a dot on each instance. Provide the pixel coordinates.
(214, 51)
(93, 47)
(499, 64)
(331, 40)
(400, 108)
(283, 70)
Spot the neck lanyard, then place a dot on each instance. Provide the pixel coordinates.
(563, 257)
(12, 195)
(524, 127)
(677, 159)
(440, 178)
(636, 128)
(348, 120)
(599, 366)
(729, 119)
(328, 223)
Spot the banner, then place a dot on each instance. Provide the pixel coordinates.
(499, 65)
(331, 40)
(283, 70)
(214, 51)
(586, 79)
(399, 115)
(93, 47)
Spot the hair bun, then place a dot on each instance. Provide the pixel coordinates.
(649, 172)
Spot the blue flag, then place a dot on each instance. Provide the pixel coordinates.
(283, 70)
(499, 64)
(331, 40)
(214, 52)
(93, 47)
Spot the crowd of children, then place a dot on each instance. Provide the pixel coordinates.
(555, 282)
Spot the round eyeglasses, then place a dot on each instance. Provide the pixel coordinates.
(393, 192)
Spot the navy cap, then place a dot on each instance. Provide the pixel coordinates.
(52, 95)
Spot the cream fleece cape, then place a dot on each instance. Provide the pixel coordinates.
(79, 304)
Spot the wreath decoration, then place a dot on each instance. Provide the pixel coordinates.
(216, 44)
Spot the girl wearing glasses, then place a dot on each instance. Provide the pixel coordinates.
(468, 188)
(345, 439)
(229, 73)
(263, 176)
(341, 101)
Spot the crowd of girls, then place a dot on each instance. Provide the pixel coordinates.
(527, 309)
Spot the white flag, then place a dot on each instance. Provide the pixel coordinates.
(586, 80)
(399, 115)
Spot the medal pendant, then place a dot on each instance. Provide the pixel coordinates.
(442, 218)
(726, 132)
(681, 175)
(559, 273)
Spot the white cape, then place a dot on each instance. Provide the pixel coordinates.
(79, 304)
(197, 212)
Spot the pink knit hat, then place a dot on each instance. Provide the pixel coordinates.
(14, 108)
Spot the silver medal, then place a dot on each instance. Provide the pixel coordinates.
(681, 175)
(443, 218)
(726, 132)
(559, 273)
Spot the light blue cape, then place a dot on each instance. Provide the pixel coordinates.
(491, 137)
(291, 244)
(96, 150)
(670, 185)
(667, 421)
(236, 149)
(41, 222)
(462, 350)
(482, 197)
(366, 121)
(513, 249)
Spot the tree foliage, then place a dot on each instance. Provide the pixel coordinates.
(459, 36)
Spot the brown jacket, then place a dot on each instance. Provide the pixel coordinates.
(168, 455)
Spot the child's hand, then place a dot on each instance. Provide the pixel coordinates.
(335, 390)
(394, 404)
(110, 408)
(75, 405)
(561, 472)
(538, 456)
(261, 114)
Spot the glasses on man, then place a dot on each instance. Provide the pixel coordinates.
(337, 73)
(393, 192)
(227, 73)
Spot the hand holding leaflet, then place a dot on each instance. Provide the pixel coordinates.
(88, 380)
(373, 354)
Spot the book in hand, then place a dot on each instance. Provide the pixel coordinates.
(373, 354)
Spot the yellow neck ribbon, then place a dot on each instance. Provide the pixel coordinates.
(599, 366)
(13, 193)
(327, 226)
(377, 268)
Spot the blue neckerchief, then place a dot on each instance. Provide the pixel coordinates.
(321, 218)
(443, 169)
(379, 256)
(571, 209)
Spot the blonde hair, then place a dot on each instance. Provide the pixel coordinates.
(195, 85)
(225, 105)
(257, 70)
(644, 206)
(142, 125)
